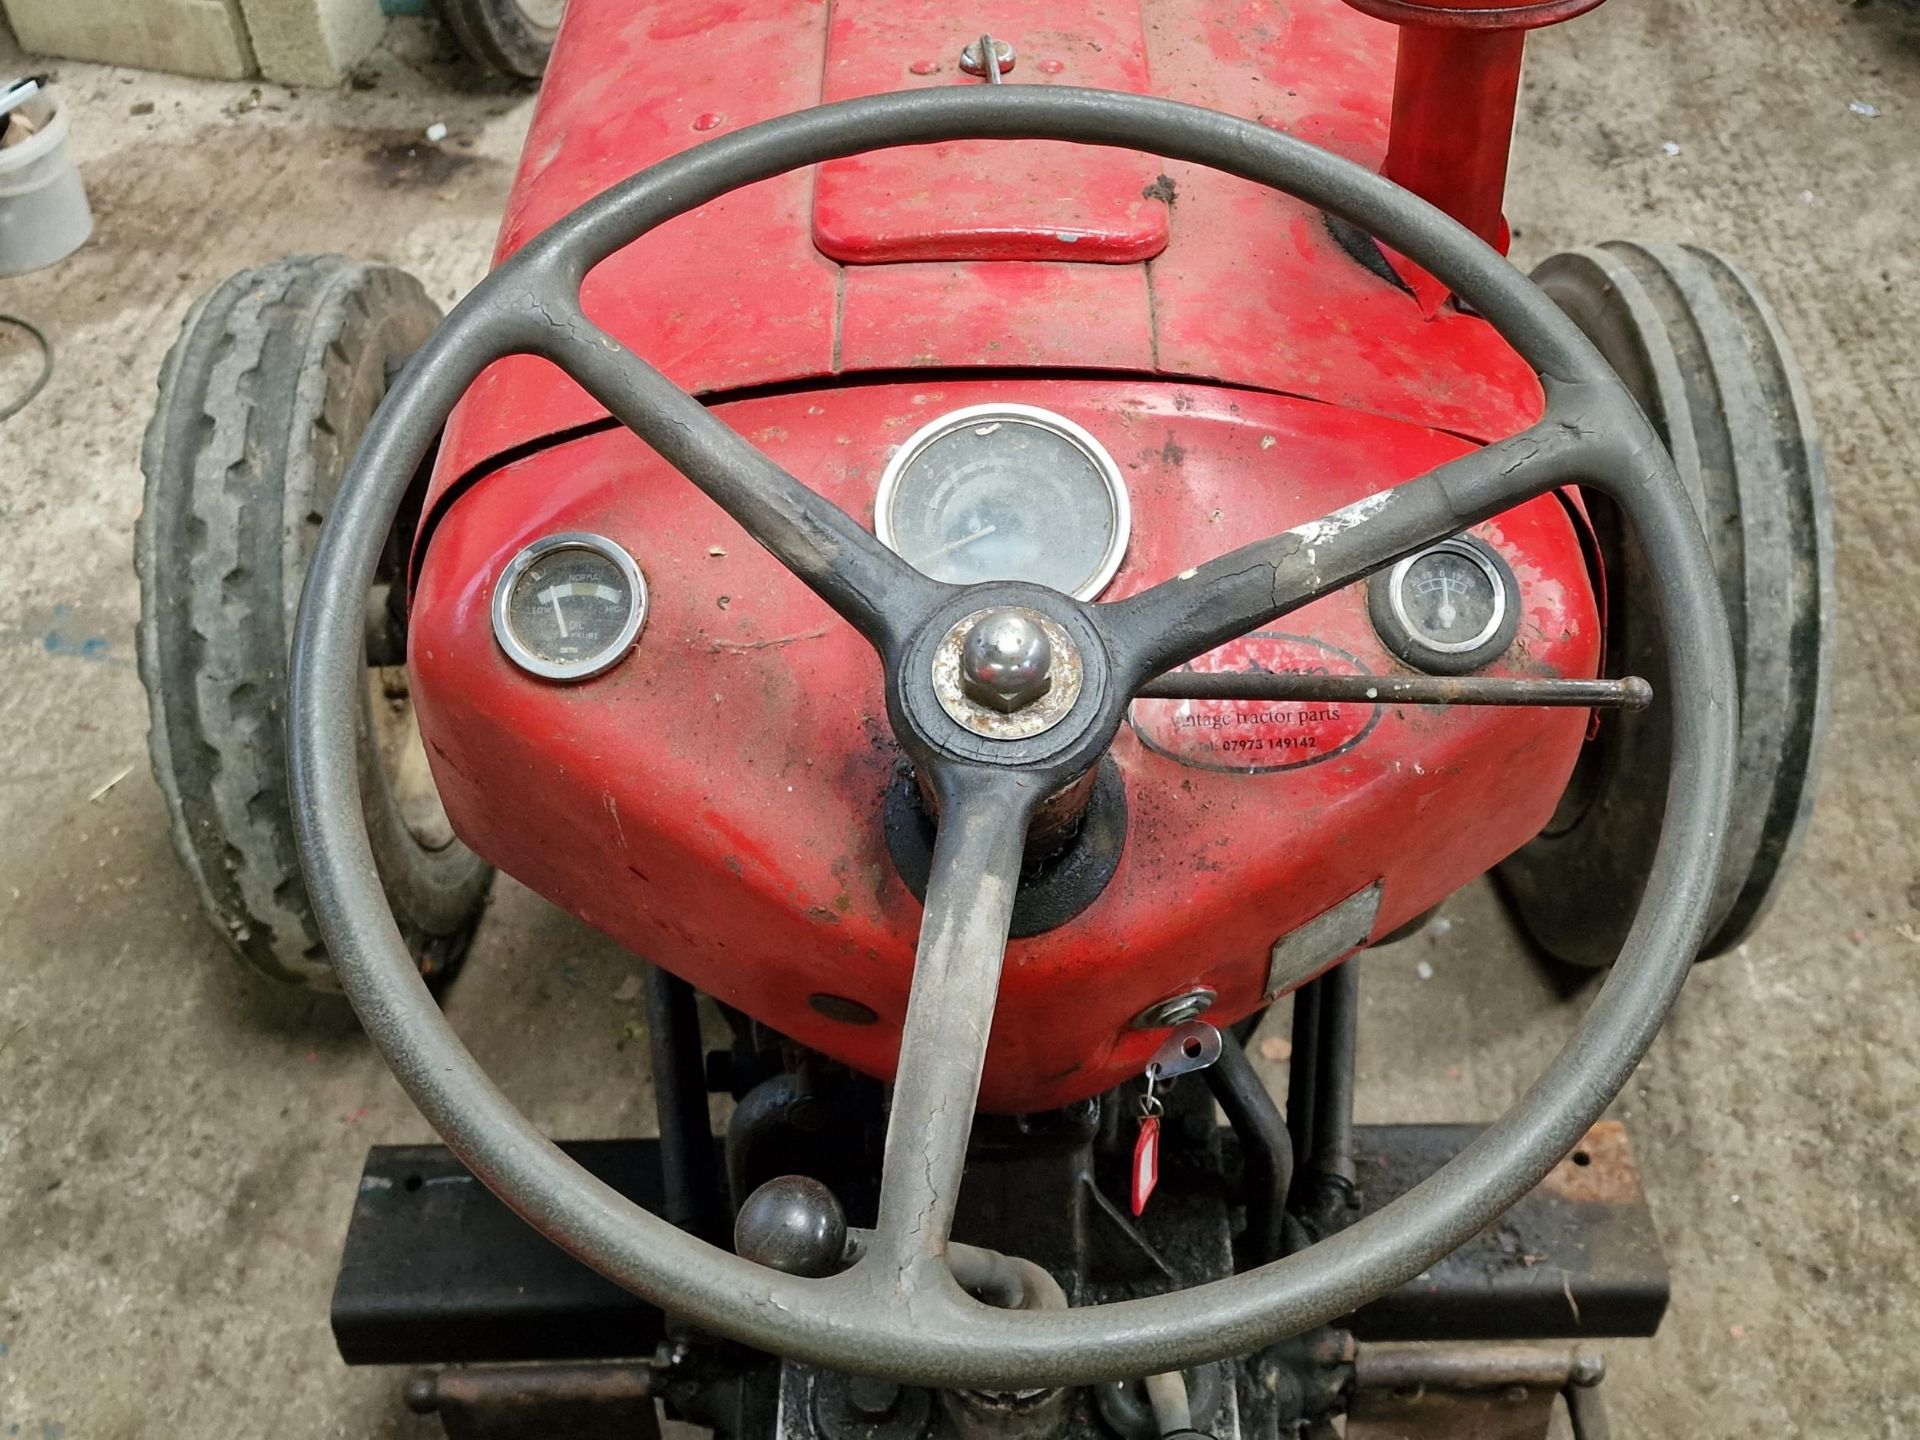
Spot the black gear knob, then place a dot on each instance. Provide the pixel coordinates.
(794, 1224)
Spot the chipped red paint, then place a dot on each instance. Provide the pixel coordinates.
(923, 316)
(734, 294)
(1028, 200)
(714, 802)
(1250, 290)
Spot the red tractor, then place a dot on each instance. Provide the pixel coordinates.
(1108, 540)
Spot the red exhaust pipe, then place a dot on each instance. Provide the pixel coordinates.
(1455, 86)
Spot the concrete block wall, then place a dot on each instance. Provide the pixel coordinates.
(189, 37)
(311, 42)
(293, 42)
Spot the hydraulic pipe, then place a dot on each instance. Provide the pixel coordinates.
(1265, 1148)
(1333, 1088)
(1302, 1070)
(687, 1160)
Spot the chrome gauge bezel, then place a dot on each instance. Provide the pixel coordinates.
(1120, 505)
(1387, 607)
(605, 658)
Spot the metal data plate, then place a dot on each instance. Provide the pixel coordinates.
(1301, 954)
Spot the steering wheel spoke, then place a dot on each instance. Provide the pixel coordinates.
(1213, 603)
(836, 557)
(943, 1046)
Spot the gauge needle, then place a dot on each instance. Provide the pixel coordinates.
(952, 545)
(559, 615)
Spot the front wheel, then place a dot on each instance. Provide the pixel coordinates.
(263, 400)
(1703, 354)
(509, 37)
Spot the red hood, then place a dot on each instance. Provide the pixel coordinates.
(1174, 270)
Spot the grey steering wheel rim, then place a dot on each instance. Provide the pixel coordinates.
(855, 1321)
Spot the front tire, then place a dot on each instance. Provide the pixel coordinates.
(263, 399)
(1701, 351)
(513, 38)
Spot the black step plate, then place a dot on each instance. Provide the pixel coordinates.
(1575, 1259)
(438, 1271)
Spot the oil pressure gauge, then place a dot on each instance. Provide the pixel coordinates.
(569, 606)
(1448, 610)
(1006, 492)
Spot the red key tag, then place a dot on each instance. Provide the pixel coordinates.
(1146, 1162)
(1146, 1150)
(1193, 1046)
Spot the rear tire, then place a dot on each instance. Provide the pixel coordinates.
(1703, 354)
(263, 400)
(510, 37)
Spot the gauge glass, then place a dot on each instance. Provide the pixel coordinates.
(569, 606)
(1006, 492)
(1450, 598)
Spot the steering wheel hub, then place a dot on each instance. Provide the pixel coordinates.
(1006, 660)
(1008, 673)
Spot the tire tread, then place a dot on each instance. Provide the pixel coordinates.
(253, 405)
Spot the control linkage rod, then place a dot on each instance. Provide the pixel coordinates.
(1629, 692)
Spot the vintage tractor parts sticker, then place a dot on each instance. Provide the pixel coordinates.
(1256, 737)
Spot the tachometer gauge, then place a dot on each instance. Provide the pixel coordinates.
(569, 606)
(1448, 610)
(1006, 492)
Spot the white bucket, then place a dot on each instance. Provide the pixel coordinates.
(43, 206)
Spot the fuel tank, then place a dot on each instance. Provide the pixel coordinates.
(716, 802)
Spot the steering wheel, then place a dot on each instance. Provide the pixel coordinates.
(898, 1312)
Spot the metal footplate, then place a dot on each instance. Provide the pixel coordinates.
(1577, 1259)
(437, 1271)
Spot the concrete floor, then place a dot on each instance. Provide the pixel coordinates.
(178, 1147)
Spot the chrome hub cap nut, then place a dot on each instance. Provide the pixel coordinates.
(1006, 661)
(1006, 673)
